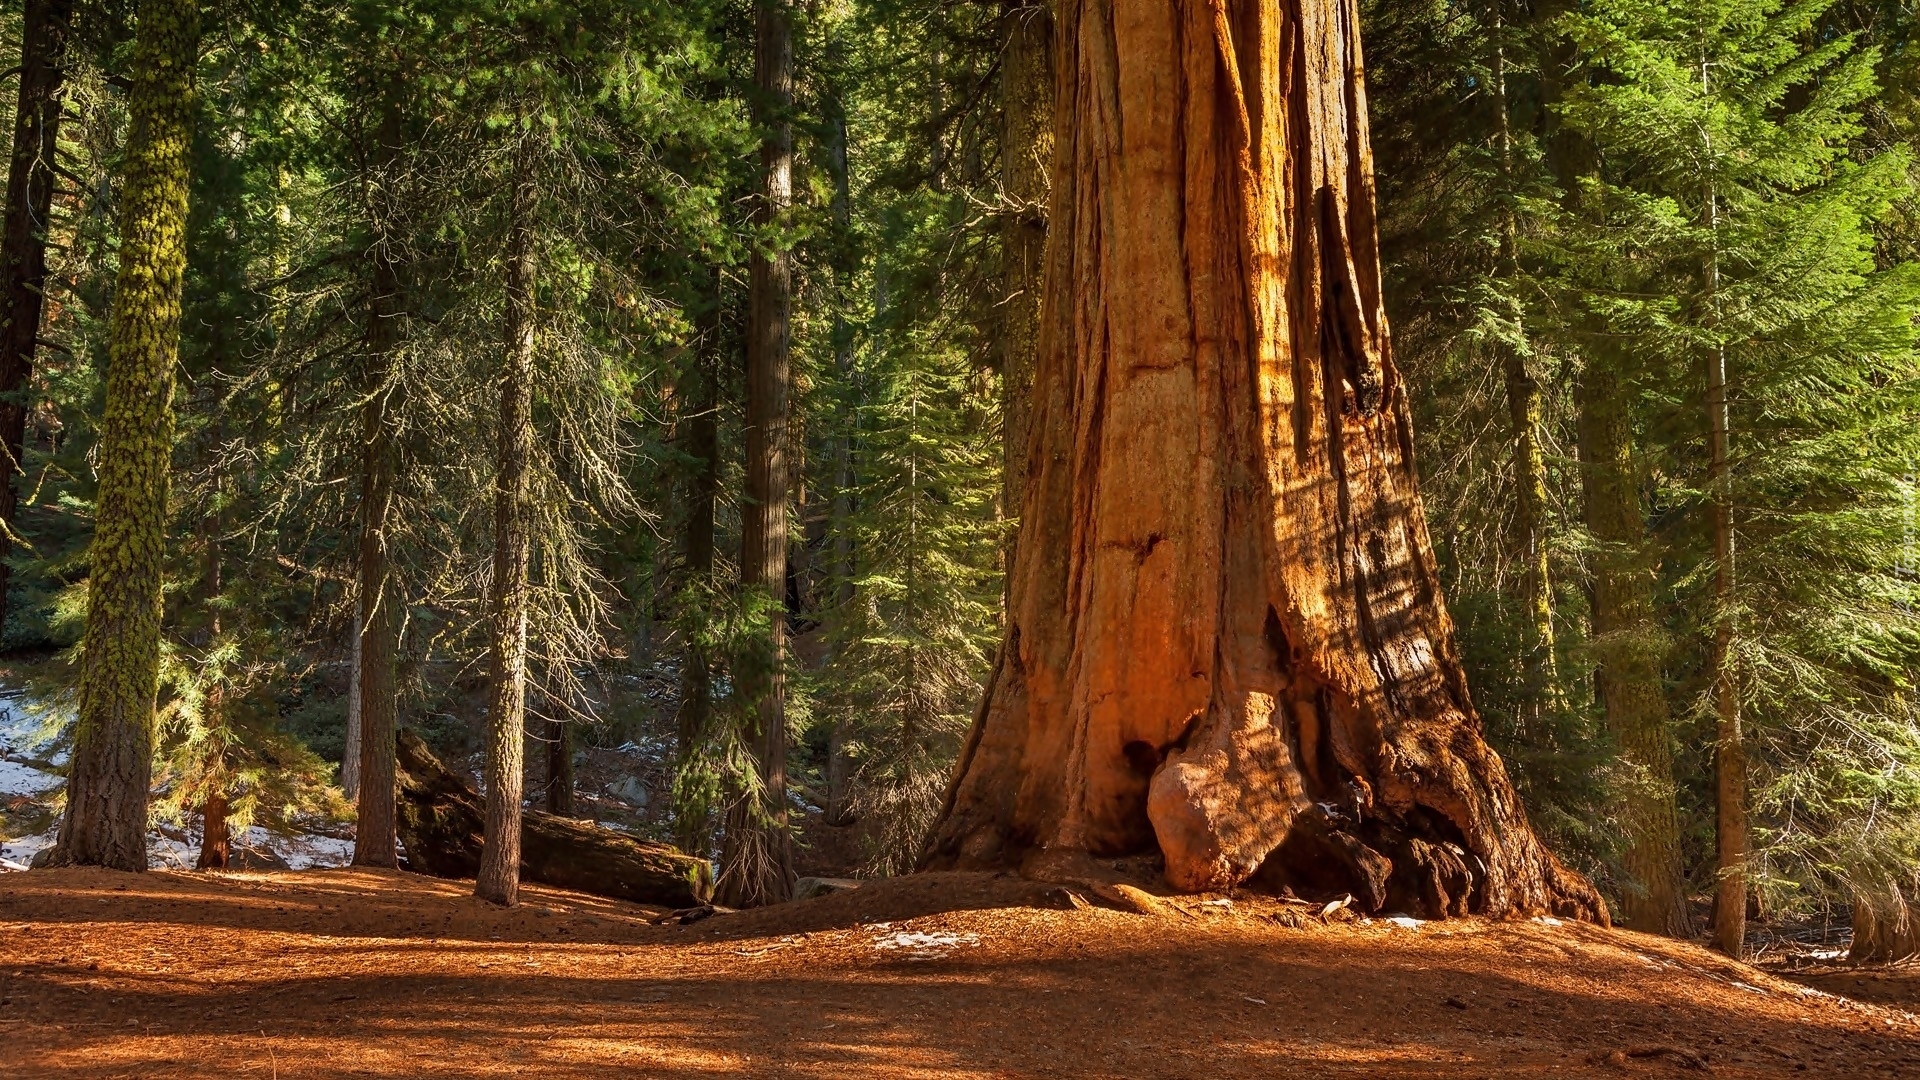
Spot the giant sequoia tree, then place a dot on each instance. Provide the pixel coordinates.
(1225, 635)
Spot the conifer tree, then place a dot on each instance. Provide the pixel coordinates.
(106, 821)
(1731, 255)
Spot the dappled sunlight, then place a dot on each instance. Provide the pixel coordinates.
(151, 983)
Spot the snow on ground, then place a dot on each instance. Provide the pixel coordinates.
(24, 747)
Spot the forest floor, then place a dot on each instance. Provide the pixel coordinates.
(336, 973)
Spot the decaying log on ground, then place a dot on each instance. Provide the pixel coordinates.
(440, 823)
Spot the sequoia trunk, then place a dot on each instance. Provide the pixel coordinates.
(106, 819)
(1226, 638)
(23, 236)
(758, 860)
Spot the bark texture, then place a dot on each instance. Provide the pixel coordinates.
(23, 237)
(441, 822)
(375, 684)
(106, 819)
(1886, 930)
(1630, 646)
(758, 857)
(499, 877)
(1226, 637)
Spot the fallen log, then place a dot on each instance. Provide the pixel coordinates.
(441, 825)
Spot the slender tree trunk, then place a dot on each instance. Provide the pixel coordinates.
(1538, 676)
(23, 238)
(838, 809)
(1026, 158)
(696, 678)
(1729, 753)
(215, 839)
(375, 838)
(499, 879)
(1628, 642)
(106, 819)
(1226, 639)
(350, 757)
(560, 767)
(757, 866)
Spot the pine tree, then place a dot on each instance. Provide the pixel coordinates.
(1730, 255)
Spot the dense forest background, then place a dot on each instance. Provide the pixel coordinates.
(1651, 271)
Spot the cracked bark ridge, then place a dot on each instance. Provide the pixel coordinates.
(1226, 638)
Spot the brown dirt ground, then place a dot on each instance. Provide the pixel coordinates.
(357, 973)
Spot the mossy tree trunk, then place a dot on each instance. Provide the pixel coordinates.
(106, 818)
(1226, 638)
(23, 237)
(757, 863)
(499, 874)
(1629, 644)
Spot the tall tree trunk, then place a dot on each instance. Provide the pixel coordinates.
(1226, 637)
(1538, 677)
(1729, 750)
(1026, 157)
(106, 819)
(838, 808)
(696, 676)
(380, 601)
(23, 238)
(1628, 643)
(215, 839)
(499, 879)
(350, 756)
(757, 865)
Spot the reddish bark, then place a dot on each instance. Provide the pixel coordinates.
(1226, 638)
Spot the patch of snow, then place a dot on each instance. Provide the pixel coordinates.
(1748, 986)
(18, 779)
(1547, 920)
(1406, 922)
(924, 946)
(1222, 904)
(300, 851)
(22, 849)
(23, 732)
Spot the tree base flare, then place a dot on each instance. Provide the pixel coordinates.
(1225, 635)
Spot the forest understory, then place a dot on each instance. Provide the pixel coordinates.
(377, 973)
